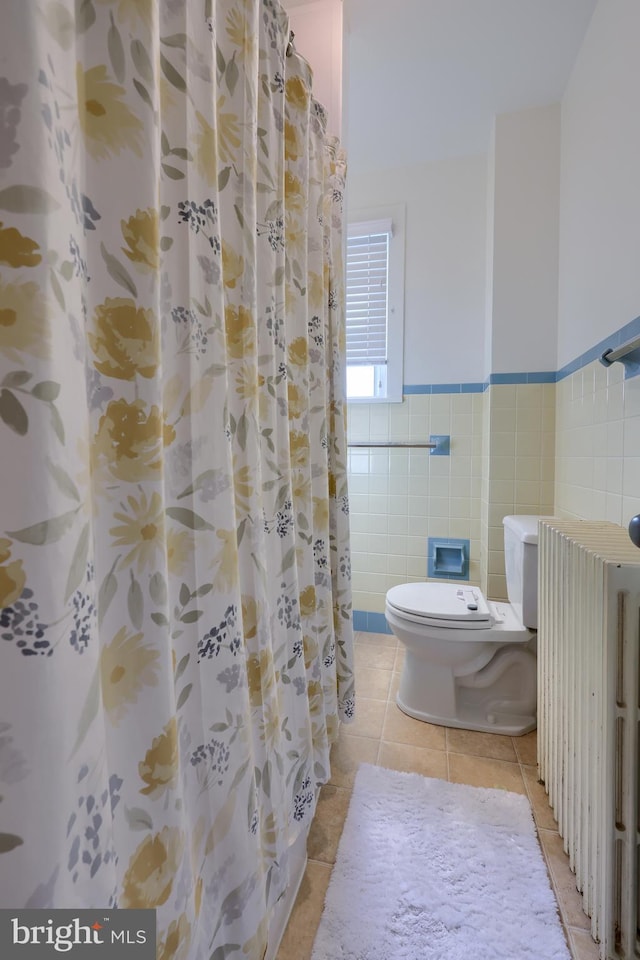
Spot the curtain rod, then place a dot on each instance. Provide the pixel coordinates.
(610, 356)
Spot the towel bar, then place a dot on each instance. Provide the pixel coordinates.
(392, 443)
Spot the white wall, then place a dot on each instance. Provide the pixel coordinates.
(445, 263)
(317, 25)
(600, 183)
(523, 298)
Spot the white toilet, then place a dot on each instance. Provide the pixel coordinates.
(471, 662)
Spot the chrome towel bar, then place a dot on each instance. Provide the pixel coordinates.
(392, 443)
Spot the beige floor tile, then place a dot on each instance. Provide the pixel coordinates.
(383, 639)
(298, 938)
(526, 748)
(395, 686)
(563, 880)
(369, 718)
(399, 661)
(372, 682)
(377, 656)
(570, 905)
(583, 946)
(411, 759)
(400, 728)
(326, 826)
(542, 812)
(346, 756)
(480, 744)
(485, 772)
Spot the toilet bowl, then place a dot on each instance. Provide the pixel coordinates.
(471, 662)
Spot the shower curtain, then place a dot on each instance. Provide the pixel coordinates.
(175, 625)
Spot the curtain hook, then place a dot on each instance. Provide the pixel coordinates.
(290, 47)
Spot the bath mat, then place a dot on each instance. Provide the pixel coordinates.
(431, 870)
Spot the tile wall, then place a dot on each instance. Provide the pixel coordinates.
(569, 448)
(519, 437)
(501, 462)
(598, 444)
(400, 497)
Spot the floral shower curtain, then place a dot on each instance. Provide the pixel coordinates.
(175, 625)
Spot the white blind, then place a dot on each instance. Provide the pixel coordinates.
(367, 292)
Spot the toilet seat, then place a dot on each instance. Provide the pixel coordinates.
(444, 605)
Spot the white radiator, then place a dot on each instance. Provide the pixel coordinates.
(589, 716)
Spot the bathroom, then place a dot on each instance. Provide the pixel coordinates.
(124, 780)
(519, 272)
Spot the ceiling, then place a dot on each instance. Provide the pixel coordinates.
(424, 78)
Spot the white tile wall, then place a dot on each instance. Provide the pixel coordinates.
(597, 449)
(520, 440)
(571, 449)
(402, 497)
(501, 462)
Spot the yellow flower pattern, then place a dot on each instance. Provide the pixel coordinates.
(228, 132)
(261, 677)
(126, 340)
(12, 575)
(17, 250)
(205, 143)
(179, 551)
(107, 122)
(240, 332)
(142, 529)
(159, 769)
(150, 875)
(24, 321)
(232, 265)
(127, 667)
(130, 440)
(141, 234)
(175, 944)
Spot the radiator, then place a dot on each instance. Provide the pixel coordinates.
(589, 716)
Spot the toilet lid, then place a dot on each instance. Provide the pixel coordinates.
(441, 601)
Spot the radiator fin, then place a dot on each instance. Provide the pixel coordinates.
(589, 717)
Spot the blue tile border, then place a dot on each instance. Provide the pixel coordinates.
(366, 622)
(414, 389)
(417, 389)
(628, 332)
(544, 376)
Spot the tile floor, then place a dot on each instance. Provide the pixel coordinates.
(382, 734)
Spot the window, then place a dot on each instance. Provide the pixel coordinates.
(375, 314)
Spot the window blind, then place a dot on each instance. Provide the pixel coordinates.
(367, 292)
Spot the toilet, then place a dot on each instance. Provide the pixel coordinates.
(471, 662)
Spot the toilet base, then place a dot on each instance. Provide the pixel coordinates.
(510, 725)
(497, 695)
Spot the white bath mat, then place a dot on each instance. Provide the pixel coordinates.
(430, 870)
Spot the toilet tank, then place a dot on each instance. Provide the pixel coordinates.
(521, 566)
